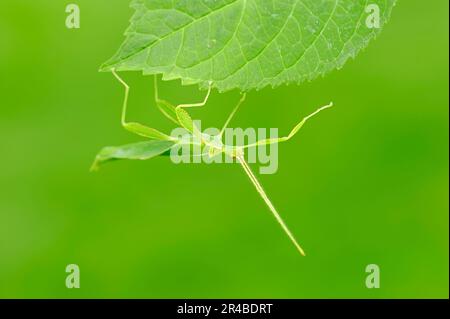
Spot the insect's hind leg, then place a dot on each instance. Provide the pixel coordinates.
(125, 100)
(293, 131)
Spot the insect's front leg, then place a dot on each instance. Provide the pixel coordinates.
(134, 127)
(291, 134)
(242, 99)
(185, 119)
(165, 107)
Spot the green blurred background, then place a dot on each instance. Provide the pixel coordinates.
(366, 182)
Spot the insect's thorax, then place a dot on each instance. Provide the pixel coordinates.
(216, 146)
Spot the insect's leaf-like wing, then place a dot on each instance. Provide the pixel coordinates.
(145, 131)
(135, 151)
(247, 44)
(168, 110)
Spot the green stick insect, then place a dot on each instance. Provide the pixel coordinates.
(160, 143)
(235, 44)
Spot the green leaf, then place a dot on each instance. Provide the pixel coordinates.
(245, 44)
(136, 151)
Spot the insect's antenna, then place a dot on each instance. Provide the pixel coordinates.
(266, 199)
(244, 95)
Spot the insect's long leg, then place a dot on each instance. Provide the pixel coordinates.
(181, 106)
(125, 100)
(165, 107)
(266, 199)
(185, 119)
(244, 95)
(155, 86)
(291, 134)
(134, 127)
